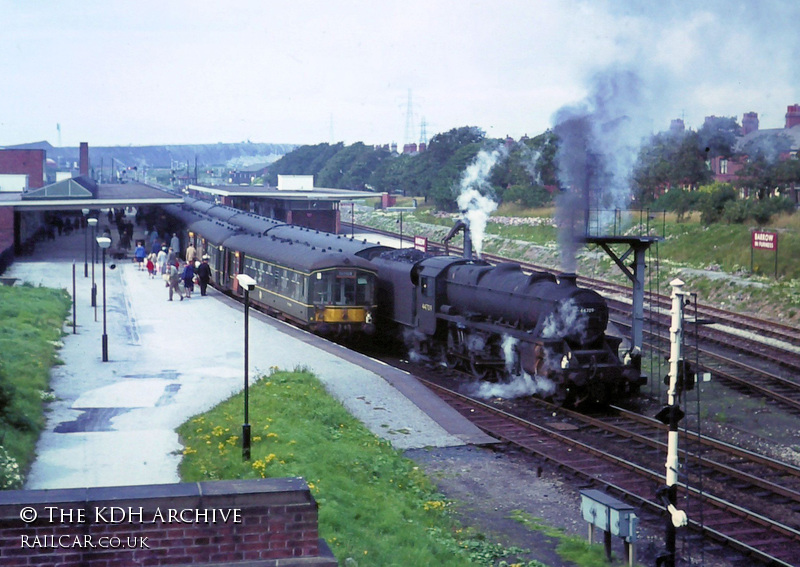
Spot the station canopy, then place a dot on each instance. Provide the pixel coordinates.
(84, 193)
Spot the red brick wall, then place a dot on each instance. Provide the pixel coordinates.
(792, 115)
(269, 522)
(29, 162)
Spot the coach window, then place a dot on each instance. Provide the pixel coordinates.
(295, 294)
(275, 278)
(364, 289)
(321, 287)
(284, 281)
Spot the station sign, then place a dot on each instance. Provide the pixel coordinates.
(421, 243)
(763, 240)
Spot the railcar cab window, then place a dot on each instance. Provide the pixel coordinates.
(342, 287)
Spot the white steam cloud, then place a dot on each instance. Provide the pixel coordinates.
(473, 200)
(520, 384)
(567, 320)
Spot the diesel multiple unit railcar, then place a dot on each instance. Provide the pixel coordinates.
(321, 288)
(494, 321)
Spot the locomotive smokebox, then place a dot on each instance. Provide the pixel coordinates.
(568, 278)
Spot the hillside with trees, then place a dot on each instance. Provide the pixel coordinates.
(522, 173)
(672, 171)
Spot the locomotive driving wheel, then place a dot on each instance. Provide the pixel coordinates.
(449, 356)
(479, 370)
(446, 358)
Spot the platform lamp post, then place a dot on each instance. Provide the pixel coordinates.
(104, 242)
(93, 223)
(85, 246)
(248, 284)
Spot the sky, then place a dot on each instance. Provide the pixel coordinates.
(304, 72)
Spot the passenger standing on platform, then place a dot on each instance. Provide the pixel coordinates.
(171, 256)
(191, 254)
(204, 275)
(161, 260)
(173, 281)
(151, 265)
(188, 279)
(139, 254)
(175, 243)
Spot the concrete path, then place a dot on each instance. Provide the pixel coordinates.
(113, 423)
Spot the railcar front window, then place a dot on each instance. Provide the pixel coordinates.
(347, 288)
(364, 287)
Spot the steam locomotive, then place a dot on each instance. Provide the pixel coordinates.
(494, 321)
(498, 322)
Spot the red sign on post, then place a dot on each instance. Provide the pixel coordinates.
(421, 243)
(763, 240)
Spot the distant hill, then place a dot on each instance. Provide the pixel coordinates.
(163, 156)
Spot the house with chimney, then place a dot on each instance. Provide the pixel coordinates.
(773, 143)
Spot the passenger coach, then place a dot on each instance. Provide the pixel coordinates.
(321, 289)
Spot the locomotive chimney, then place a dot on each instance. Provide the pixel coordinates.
(467, 244)
(460, 225)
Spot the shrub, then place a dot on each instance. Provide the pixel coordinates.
(713, 201)
(679, 201)
(736, 212)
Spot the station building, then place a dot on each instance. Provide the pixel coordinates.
(294, 201)
(28, 205)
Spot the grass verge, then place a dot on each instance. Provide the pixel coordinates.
(375, 506)
(31, 326)
(570, 548)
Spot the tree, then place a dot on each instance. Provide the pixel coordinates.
(445, 185)
(442, 146)
(669, 161)
(305, 160)
(718, 135)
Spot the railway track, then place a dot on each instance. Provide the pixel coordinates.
(779, 355)
(765, 519)
(569, 447)
(737, 372)
(735, 321)
(752, 354)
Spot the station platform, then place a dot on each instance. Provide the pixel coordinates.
(113, 423)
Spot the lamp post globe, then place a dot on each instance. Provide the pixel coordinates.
(104, 242)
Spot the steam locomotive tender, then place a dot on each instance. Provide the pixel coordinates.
(497, 321)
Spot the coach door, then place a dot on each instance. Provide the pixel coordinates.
(232, 269)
